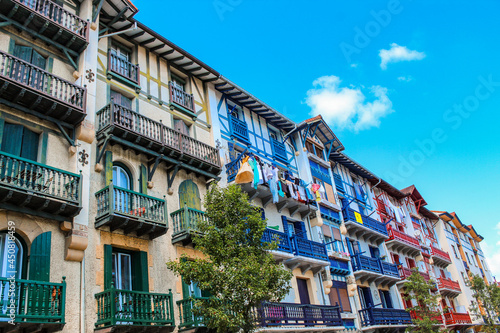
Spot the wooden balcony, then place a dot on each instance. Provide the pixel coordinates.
(457, 319)
(188, 321)
(339, 267)
(364, 227)
(284, 244)
(181, 99)
(373, 316)
(400, 242)
(438, 319)
(290, 314)
(144, 135)
(39, 189)
(134, 311)
(405, 272)
(123, 70)
(185, 224)
(119, 208)
(48, 21)
(368, 269)
(279, 151)
(440, 257)
(239, 130)
(33, 90)
(308, 255)
(449, 287)
(39, 306)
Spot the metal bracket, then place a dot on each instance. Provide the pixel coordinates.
(171, 176)
(151, 172)
(119, 32)
(66, 136)
(97, 10)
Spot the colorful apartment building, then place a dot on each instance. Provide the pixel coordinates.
(110, 135)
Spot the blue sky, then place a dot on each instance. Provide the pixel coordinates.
(405, 127)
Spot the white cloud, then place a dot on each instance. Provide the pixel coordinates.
(492, 254)
(354, 65)
(346, 107)
(405, 78)
(398, 53)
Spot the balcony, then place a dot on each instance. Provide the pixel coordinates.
(368, 269)
(457, 319)
(142, 134)
(335, 250)
(38, 189)
(400, 242)
(405, 272)
(119, 208)
(438, 319)
(185, 224)
(283, 242)
(39, 306)
(364, 227)
(123, 70)
(188, 321)
(449, 287)
(289, 314)
(134, 311)
(373, 316)
(181, 99)
(279, 151)
(440, 257)
(338, 267)
(308, 255)
(48, 21)
(35, 91)
(239, 130)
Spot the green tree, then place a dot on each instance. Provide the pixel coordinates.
(487, 302)
(418, 289)
(238, 269)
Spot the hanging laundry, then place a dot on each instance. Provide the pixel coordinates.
(245, 174)
(273, 185)
(285, 188)
(253, 165)
(280, 190)
(315, 187)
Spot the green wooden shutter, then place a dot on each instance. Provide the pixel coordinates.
(39, 266)
(108, 266)
(29, 148)
(140, 276)
(38, 60)
(185, 289)
(108, 166)
(143, 186)
(189, 195)
(12, 139)
(23, 52)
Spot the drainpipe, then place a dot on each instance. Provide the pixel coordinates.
(322, 288)
(82, 296)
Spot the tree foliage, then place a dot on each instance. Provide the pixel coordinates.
(487, 302)
(237, 268)
(427, 309)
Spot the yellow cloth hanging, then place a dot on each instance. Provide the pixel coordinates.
(245, 174)
(318, 196)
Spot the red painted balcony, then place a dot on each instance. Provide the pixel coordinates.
(438, 318)
(440, 257)
(455, 318)
(449, 287)
(401, 242)
(405, 272)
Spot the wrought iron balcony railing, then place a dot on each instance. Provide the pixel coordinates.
(134, 308)
(34, 90)
(39, 188)
(34, 301)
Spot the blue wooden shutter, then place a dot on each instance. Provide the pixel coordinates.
(12, 139)
(39, 266)
(29, 148)
(108, 266)
(140, 276)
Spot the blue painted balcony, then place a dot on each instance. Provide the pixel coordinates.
(368, 269)
(279, 151)
(284, 249)
(363, 227)
(309, 255)
(373, 316)
(290, 314)
(339, 267)
(239, 130)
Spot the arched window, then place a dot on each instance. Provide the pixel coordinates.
(121, 176)
(12, 256)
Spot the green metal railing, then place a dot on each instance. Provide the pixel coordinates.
(116, 200)
(32, 301)
(186, 219)
(126, 307)
(24, 174)
(187, 318)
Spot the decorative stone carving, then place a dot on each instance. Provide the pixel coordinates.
(76, 241)
(85, 132)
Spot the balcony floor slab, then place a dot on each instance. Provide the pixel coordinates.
(135, 329)
(30, 327)
(361, 232)
(378, 278)
(130, 225)
(305, 264)
(293, 329)
(403, 247)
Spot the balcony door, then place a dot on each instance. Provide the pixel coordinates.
(122, 179)
(303, 291)
(27, 74)
(189, 195)
(365, 297)
(121, 61)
